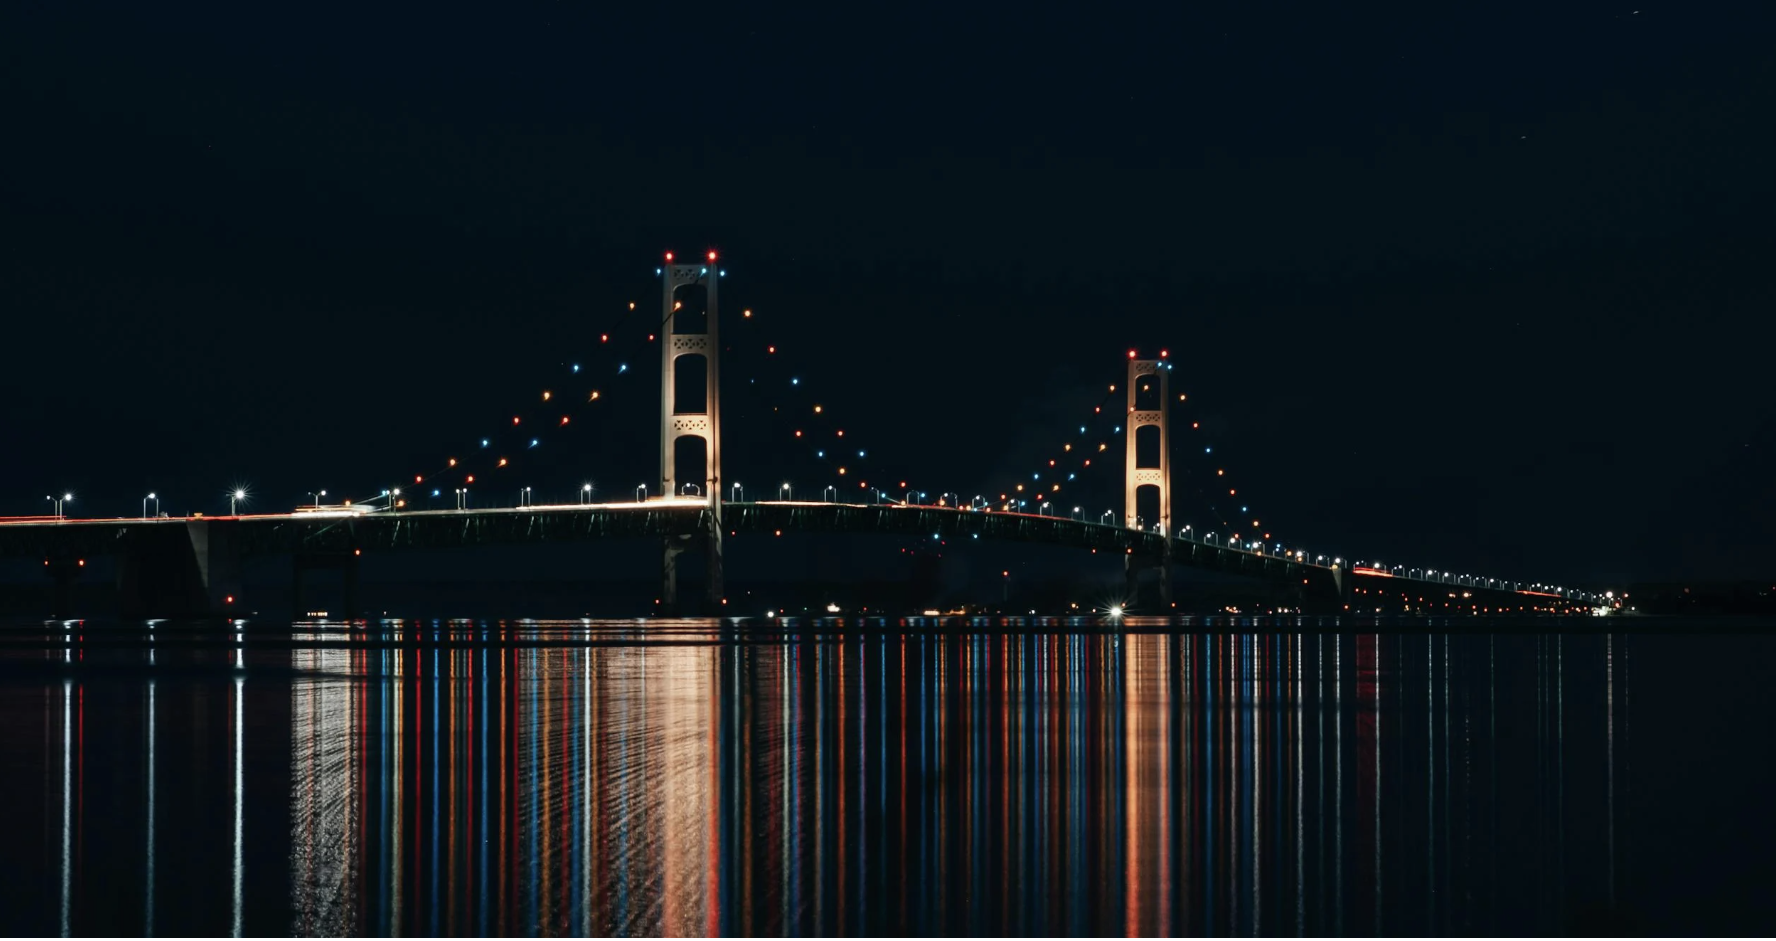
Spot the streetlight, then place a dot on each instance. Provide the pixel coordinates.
(738, 492)
(830, 494)
(66, 498)
(524, 497)
(1043, 508)
(1075, 514)
(1108, 517)
(316, 494)
(462, 496)
(641, 493)
(395, 500)
(690, 490)
(234, 500)
(788, 493)
(145, 505)
(954, 499)
(585, 494)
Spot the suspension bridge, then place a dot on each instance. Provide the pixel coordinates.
(191, 565)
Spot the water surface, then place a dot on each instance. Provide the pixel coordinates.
(1255, 777)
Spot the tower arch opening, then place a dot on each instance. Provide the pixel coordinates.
(690, 385)
(690, 309)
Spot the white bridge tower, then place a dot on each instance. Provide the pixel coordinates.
(1149, 376)
(687, 331)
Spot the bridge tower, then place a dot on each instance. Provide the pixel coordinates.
(1148, 374)
(683, 333)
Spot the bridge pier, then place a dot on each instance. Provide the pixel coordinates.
(179, 570)
(346, 563)
(63, 571)
(1134, 565)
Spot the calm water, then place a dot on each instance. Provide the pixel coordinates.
(605, 778)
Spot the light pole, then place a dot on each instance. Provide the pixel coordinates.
(66, 498)
(788, 492)
(145, 505)
(690, 490)
(641, 493)
(830, 494)
(1108, 518)
(1043, 508)
(524, 497)
(234, 500)
(316, 494)
(953, 499)
(585, 494)
(462, 496)
(738, 492)
(394, 499)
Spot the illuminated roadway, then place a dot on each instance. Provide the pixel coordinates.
(347, 530)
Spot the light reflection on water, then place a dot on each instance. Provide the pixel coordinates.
(621, 779)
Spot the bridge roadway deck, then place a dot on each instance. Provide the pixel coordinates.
(325, 533)
(287, 533)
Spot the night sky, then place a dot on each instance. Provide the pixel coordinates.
(1484, 288)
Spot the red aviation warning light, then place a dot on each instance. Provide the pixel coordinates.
(712, 255)
(1131, 354)
(668, 256)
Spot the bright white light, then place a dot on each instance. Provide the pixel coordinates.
(1116, 610)
(238, 495)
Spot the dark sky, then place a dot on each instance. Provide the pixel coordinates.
(1481, 287)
